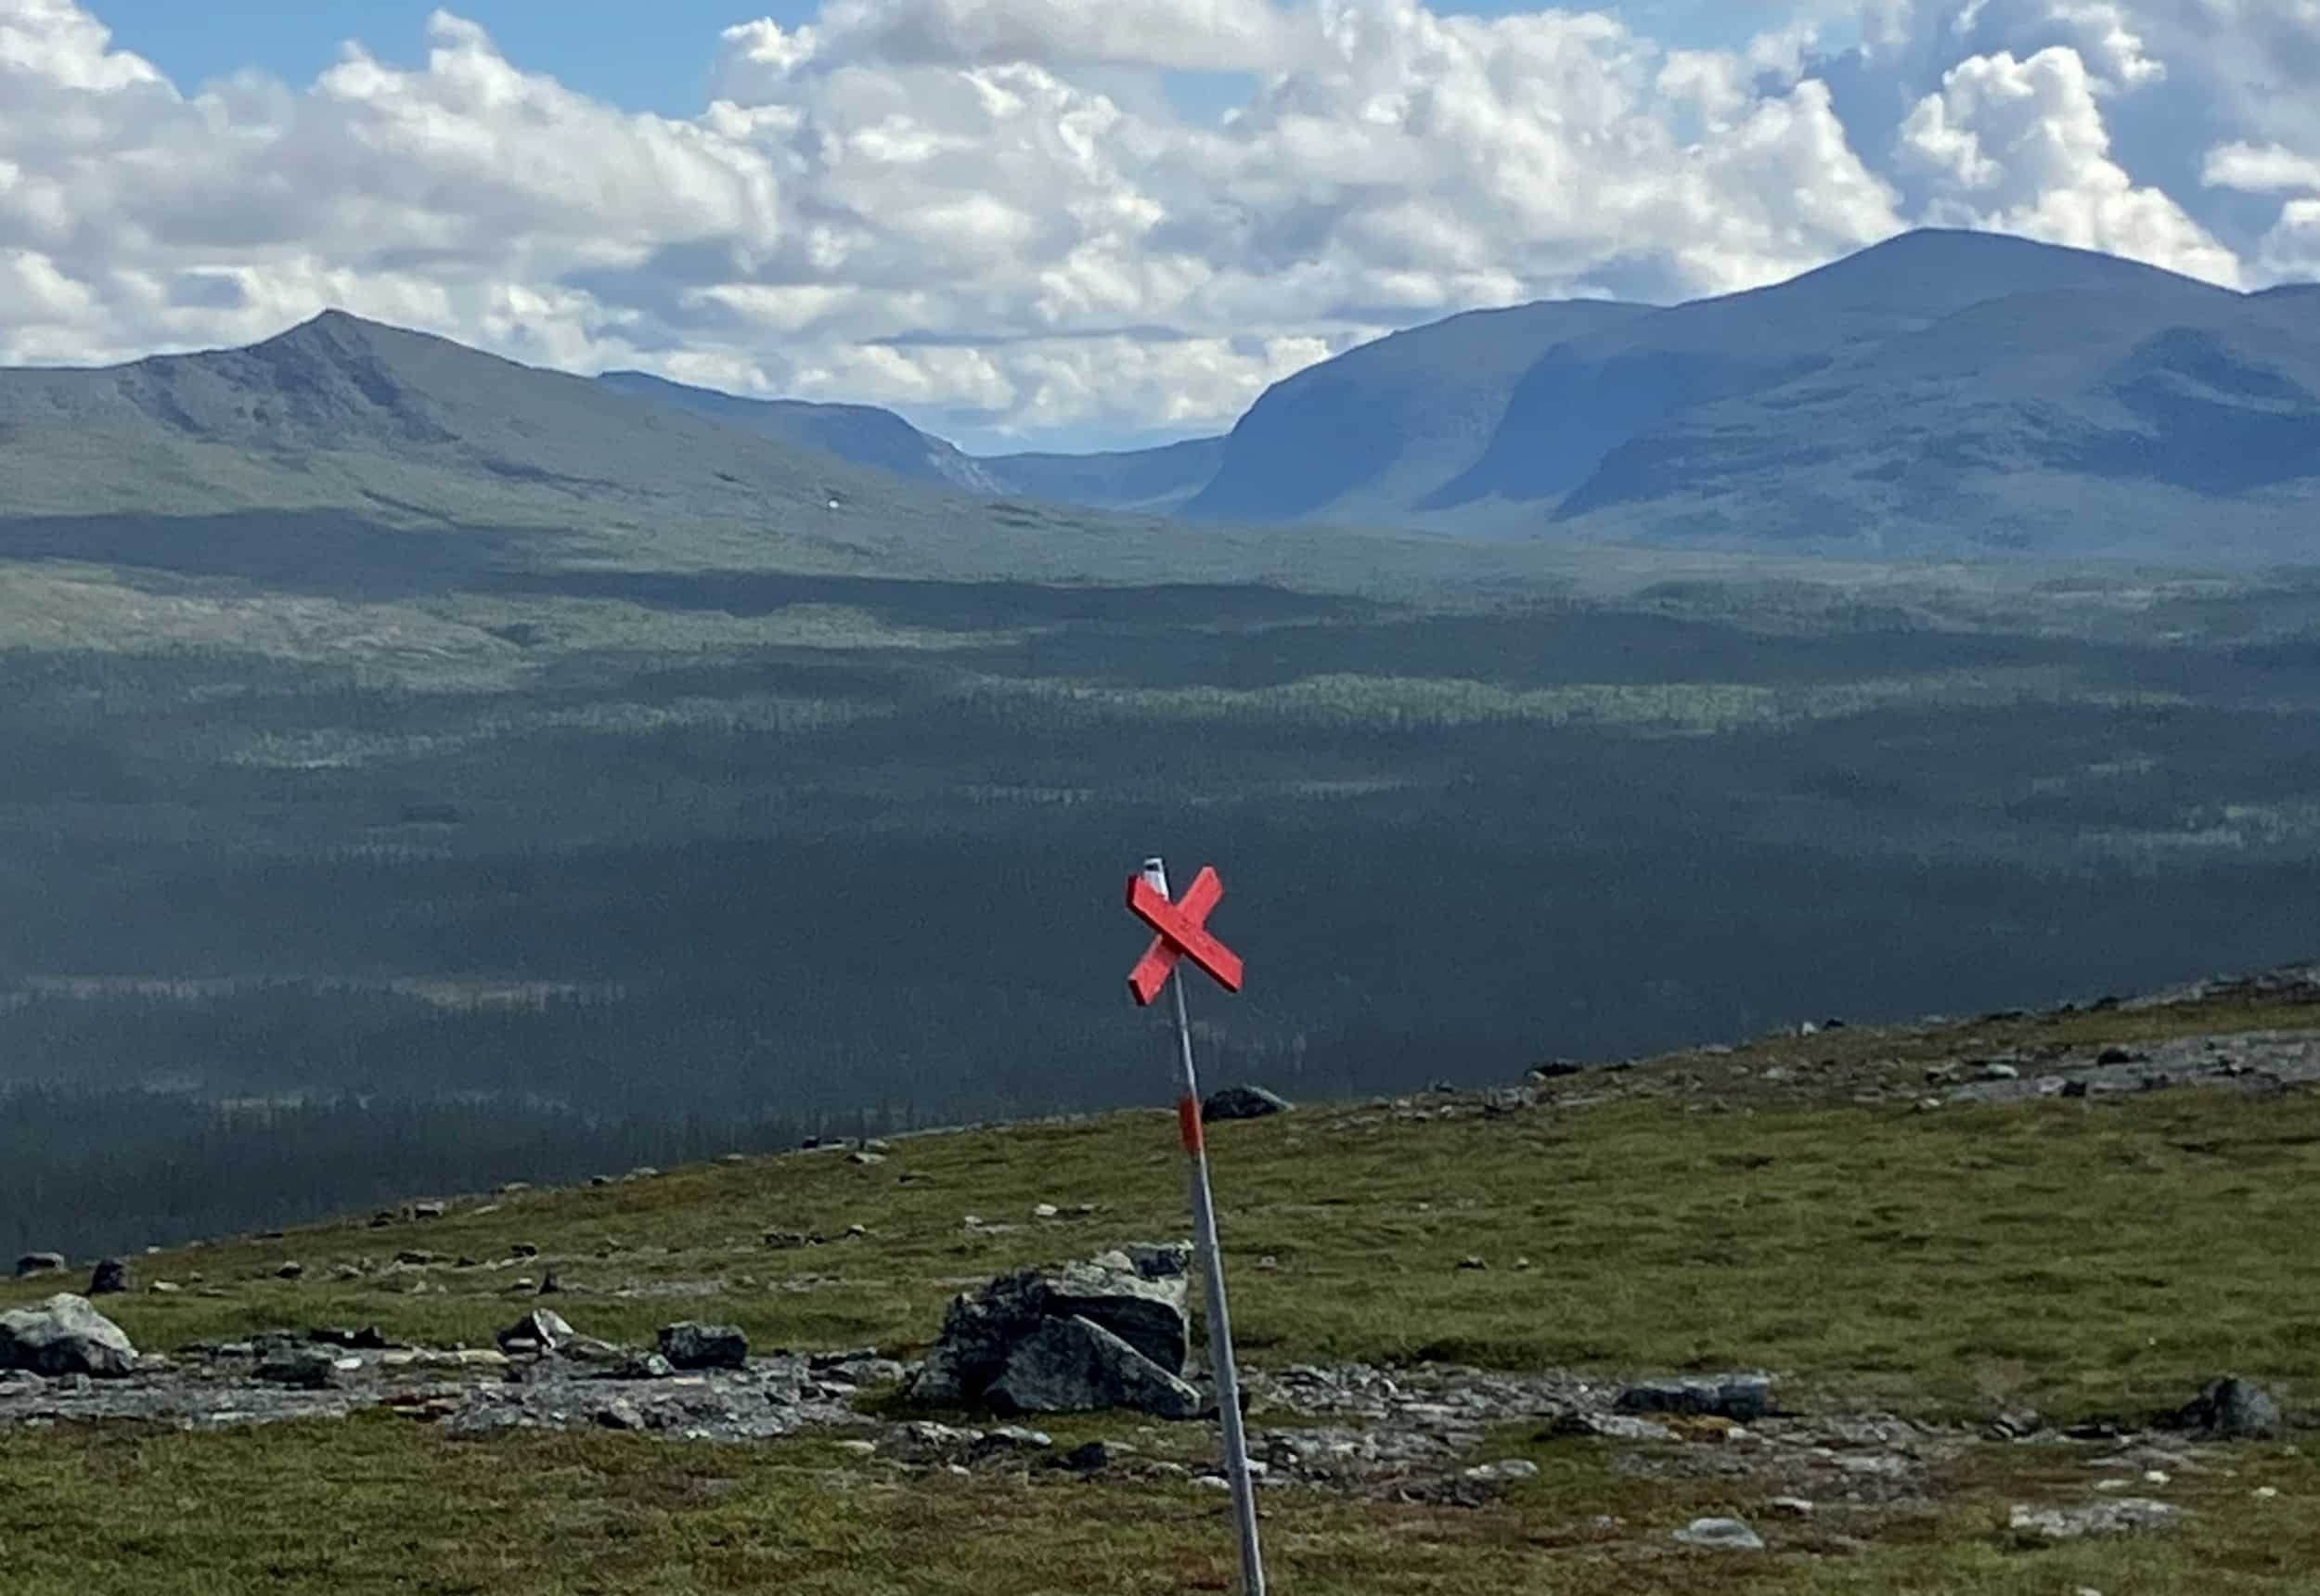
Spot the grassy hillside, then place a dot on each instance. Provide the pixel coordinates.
(1788, 1205)
(863, 435)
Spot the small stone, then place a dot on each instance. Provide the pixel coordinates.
(2117, 1056)
(651, 1366)
(734, 1158)
(2266, 1493)
(542, 1330)
(306, 1367)
(1505, 1472)
(509, 1188)
(426, 1210)
(2124, 1515)
(1791, 1507)
(1927, 1105)
(1469, 1262)
(1089, 1457)
(1242, 1102)
(855, 1232)
(164, 1288)
(2000, 1073)
(1522, 1263)
(1044, 1211)
(600, 1181)
(1720, 1534)
(32, 1264)
(292, 1270)
(110, 1277)
(620, 1414)
(865, 1158)
(524, 1250)
(2074, 1089)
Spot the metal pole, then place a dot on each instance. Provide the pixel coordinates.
(1212, 1272)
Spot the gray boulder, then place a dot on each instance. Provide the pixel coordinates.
(64, 1335)
(1742, 1398)
(692, 1345)
(1020, 1343)
(1242, 1102)
(32, 1264)
(110, 1277)
(2232, 1409)
(1074, 1366)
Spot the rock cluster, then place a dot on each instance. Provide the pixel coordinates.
(1107, 1333)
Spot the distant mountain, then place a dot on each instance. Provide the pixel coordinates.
(863, 433)
(1591, 395)
(1373, 432)
(1943, 393)
(1157, 479)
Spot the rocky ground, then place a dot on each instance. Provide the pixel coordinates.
(1822, 1481)
(1803, 1465)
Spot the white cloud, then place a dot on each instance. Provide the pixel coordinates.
(985, 210)
(2020, 146)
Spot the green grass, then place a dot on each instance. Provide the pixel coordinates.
(2088, 1256)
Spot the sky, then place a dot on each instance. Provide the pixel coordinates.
(1056, 224)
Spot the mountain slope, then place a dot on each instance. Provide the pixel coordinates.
(341, 411)
(1159, 480)
(863, 433)
(1376, 429)
(1590, 396)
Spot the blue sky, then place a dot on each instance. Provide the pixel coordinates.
(644, 57)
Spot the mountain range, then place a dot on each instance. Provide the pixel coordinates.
(1942, 394)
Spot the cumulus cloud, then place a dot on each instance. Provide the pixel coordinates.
(2020, 146)
(986, 212)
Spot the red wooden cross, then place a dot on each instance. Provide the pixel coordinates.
(1179, 926)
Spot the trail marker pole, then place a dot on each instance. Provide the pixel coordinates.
(1181, 935)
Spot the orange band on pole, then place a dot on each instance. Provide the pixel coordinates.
(1188, 1123)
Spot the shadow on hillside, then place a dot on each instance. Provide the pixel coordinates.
(344, 557)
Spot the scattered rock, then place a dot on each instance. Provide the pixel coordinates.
(426, 1210)
(369, 1338)
(2123, 1515)
(305, 1368)
(1790, 1507)
(1091, 1457)
(620, 1414)
(1720, 1534)
(291, 1270)
(1044, 1211)
(692, 1345)
(1505, 1472)
(1998, 1071)
(110, 1277)
(65, 1335)
(2231, 1409)
(542, 1330)
(164, 1288)
(1554, 1070)
(651, 1366)
(2118, 1056)
(32, 1264)
(864, 1158)
(2021, 1424)
(1242, 1102)
(1742, 1398)
(1472, 1263)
